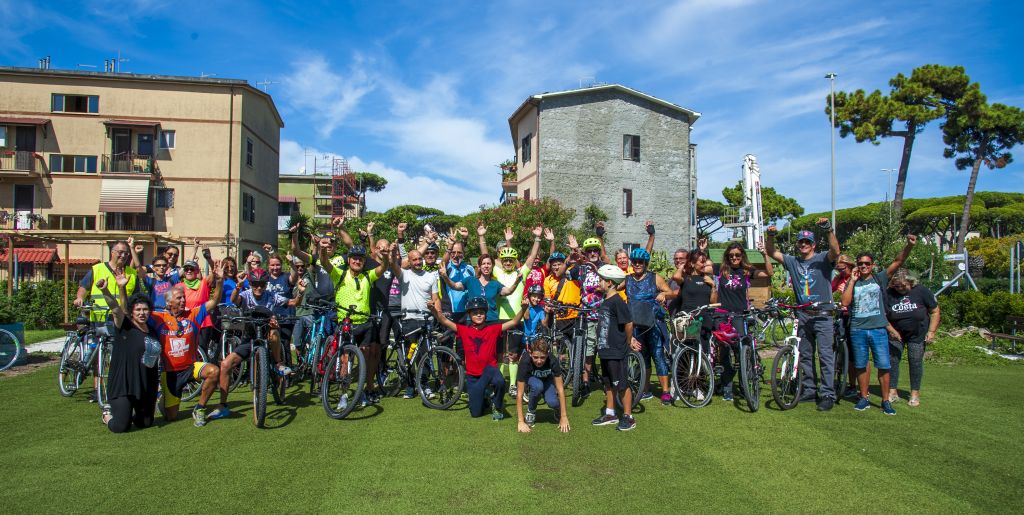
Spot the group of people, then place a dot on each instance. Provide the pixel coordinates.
(501, 312)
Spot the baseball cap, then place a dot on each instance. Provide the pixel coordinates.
(191, 264)
(805, 235)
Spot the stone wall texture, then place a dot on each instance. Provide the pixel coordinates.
(581, 163)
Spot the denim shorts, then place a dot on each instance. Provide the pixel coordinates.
(877, 340)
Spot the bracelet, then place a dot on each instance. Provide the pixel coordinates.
(536, 238)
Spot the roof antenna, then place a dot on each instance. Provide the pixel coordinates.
(44, 63)
(591, 83)
(203, 75)
(266, 82)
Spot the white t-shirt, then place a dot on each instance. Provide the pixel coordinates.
(416, 291)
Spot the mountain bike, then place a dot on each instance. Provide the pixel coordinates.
(787, 376)
(257, 321)
(440, 375)
(342, 369)
(316, 339)
(773, 323)
(571, 353)
(10, 349)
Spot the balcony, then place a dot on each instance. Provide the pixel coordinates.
(21, 221)
(21, 161)
(128, 163)
(128, 222)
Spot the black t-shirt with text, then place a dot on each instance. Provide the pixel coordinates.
(909, 313)
(612, 317)
(545, 372)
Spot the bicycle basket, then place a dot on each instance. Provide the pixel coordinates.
(226, 314)
(685, 327)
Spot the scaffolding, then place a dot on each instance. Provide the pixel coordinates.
(338, 194)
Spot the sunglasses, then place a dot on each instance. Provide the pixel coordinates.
(638, 262)
(864, 263)
(258, 284)
(805, 242)
(735, 255)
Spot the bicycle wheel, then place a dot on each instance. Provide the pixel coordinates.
(10, 349)
(390, 373)
(194, 386)
(260, 378)
(750, 382)
(692, 378)
(69, 374)
(103, 351)
(841, 366)
(636, 370)
(786, 378)
(440, 378)
(577, 373)
(238, 374)
(343, 380)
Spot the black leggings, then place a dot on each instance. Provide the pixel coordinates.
(129, 410)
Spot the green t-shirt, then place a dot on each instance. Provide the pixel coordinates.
(354, 291)
(510, 305)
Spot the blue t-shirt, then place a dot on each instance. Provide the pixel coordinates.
(281, 287)
(532, 321)
(868, 308)
(157, 288)
(474, 288)
(810, 277)
(459, 274)
(229, 286)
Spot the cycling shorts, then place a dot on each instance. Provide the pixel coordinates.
(173, 383)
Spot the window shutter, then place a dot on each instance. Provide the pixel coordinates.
(94, 104)
(636, 148)
(56, 163)
(627, 202)
(57, 103)
(80, 163)
(90, 164)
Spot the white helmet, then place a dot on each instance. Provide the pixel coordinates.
(612, 273)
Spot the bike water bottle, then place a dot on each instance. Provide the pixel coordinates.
(412, 350)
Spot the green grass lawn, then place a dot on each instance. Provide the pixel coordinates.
(41, 335)
(960, 452)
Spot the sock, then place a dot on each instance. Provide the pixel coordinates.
(200, 406)
(503, 368)
(609, 411)
(513, 372)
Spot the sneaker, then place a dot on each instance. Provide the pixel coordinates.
(375, 398)
(105, 416)
(914, 402)
(199, 416)
(222, 412)
(605, 420)
(626, 423)
(496, 415)
(530, 418)
(826, 404)
(646, 396)
(343, 402)
(850, 393)
(666, 398)
(700, 395)
(364, 400)
(863, 404)
(409, 393)
(887, 408)
(809, 397)
(513, 391)
(727, 395)
(430, 393)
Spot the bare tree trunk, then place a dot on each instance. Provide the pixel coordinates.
(966, 219)
(901, 178)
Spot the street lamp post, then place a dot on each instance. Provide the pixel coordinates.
(832, 132)
(888, 186)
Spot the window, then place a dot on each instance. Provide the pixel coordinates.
(71, 222)
(248, 208)
(60, 103)
(527, 148)
(526, 194)
(78, 164)
(627, 202)
(249, 147)
(166, 140)
(163, 197)
(630, 246)
(287, 208)
(631, 147)
(3, 136)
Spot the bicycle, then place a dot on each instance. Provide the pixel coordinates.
(257, 323)
(692, 374)
(440, 376)
(87, 350)
(342, 371)
(316, 339)
(787, 376)
(10, 349)
(572, 357)
(773, 323)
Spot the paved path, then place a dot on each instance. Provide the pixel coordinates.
(54, 345)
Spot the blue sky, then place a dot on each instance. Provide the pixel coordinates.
(420, 92)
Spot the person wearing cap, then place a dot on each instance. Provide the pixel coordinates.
(614, 342)
(809, 273)
(587, 260)
(844, 266)
(865, 298)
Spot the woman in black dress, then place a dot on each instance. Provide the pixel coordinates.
(133, 381)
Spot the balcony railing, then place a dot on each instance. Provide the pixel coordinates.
(17, 160)
(21, 221)
(128, 163)
(129, 222)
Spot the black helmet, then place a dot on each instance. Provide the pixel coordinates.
(476, 303)
(535, 288)
(357, 251)
(258, 275)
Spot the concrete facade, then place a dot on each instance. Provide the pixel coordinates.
(225, 154)
(578, 157)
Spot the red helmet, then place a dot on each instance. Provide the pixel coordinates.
(258, 275)
(726, 333)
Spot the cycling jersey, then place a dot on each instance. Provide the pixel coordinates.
(352, 290)
(179, 336)
(569, 294)
(509, 305)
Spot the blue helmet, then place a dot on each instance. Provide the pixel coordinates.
(556, 256)
(639, 254)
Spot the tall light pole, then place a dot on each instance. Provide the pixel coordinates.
(832, 132)
(888, 184)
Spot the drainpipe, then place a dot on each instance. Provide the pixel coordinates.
(231, 162)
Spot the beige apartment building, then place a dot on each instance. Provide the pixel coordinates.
(88, 157)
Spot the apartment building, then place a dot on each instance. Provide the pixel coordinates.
(624, 151)
(88, 157)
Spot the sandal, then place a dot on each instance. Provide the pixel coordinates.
(894, 397)
(914, 402)
(106, 416)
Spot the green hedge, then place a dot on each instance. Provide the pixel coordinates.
(964, 308)
(38, 306)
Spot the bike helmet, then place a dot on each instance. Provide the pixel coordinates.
(556, 256)
(475, 303)
(258, 275)
(508, 253)
(357, 251)
(535, 289)
(592, 243)
(431, 247)
(639, 254)
(726, 333)
(611, 273)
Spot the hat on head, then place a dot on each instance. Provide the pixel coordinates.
(431, 246)
(191, 264)
(357, 251)
(611, 273)
(805, 235)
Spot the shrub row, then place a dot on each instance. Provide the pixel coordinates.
(38, 305)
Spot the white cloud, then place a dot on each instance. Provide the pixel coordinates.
(326, 97)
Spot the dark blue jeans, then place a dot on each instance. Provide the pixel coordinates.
(545, 387)
(476, 387)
